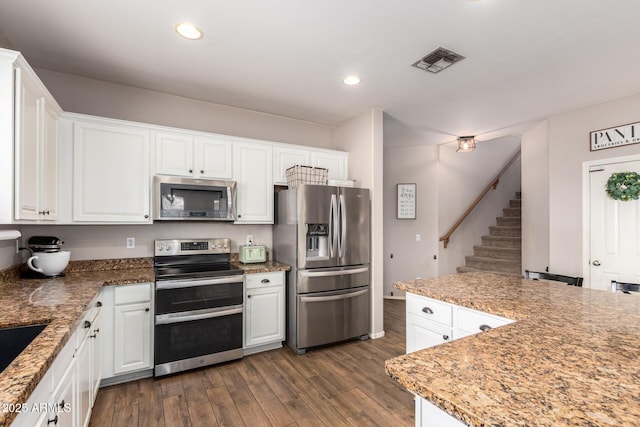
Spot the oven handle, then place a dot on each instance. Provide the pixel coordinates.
(188, 316)
(334, 297)
(174, 284)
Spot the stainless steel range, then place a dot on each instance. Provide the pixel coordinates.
(199, 304)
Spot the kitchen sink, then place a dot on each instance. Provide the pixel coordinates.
(14, 340)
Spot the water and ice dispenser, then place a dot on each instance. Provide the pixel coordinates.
(317, 241)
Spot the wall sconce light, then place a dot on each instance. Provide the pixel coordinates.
(466, 144)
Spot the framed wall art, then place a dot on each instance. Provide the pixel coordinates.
(406, 194)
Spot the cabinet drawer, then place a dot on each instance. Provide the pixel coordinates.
(427, 308)
(422, 333)
(471, 320)
(264, 279)
(132, 293)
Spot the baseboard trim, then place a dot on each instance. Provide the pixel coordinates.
(376, 335)
(394, 297)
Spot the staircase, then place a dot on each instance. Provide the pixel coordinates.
(500, 252)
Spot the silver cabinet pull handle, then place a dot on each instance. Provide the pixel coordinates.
(427, 310)
(485, 328)
(265, 281)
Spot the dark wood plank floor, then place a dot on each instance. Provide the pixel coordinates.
(338, 385)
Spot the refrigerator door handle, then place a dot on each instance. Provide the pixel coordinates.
(306, 273)
(333, 232)
(343, 225)
(334, 297)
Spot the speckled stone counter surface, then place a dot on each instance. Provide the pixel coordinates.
(572, 358)
(263, 267)
(60, 302)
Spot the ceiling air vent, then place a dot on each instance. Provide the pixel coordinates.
(438, 60)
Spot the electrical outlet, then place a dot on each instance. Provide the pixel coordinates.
(418, 237)
(249, 239)
(131, 242)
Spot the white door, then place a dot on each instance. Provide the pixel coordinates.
(111, 180)
(174, 154)
(264, 316)
(132, 337)
(253, 172)
(614, 229)
(212, 158)
(28, 128)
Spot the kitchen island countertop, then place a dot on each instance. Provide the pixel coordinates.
(572, 358)
(60, 303)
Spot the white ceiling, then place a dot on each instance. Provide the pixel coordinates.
(524, 59)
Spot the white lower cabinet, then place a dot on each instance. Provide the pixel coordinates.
(264, 312)
(64, 397)
(429, 415)
(422, 333)
(128, 330)
(431, 322)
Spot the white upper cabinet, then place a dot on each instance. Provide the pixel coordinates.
(29, 123)
(174, 154)
(193, 155)
(284, 157)
(253, 172)
(336, 161)
(111, 172)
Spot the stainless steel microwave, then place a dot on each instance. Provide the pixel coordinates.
(191, 199)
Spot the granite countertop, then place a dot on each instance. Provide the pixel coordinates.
(60, 303)
(571, 358)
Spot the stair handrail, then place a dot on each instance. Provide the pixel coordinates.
(493, 184)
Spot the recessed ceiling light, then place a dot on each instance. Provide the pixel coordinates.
(351, 80)
(188, 31)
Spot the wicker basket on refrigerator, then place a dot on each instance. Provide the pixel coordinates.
(301, 174)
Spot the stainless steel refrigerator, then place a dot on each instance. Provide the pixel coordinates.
(323, 232)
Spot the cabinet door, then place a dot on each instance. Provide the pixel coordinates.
(28, 129)
(174, 154)
(50, 161)
(64, 398)
(132, 337)
(111, 180)
(337, 163)
(284, 158)
(84, 364)
(423, 334)
(253, 172)
(96, 356)
(264, 316)
(212, 158)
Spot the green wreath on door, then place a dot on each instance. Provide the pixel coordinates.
(624, 186)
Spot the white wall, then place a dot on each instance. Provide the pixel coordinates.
(461, 179)
(535, 205)
(362, 137)
(568, 141)
(87, 96)
(109, 241)
(413, 164)
(8, 256)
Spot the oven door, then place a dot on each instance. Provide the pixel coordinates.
(197, 338)
(198, 323)
(178, 296)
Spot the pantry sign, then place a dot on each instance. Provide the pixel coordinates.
(615, 137)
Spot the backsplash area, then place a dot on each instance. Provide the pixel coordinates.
(110, 241)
